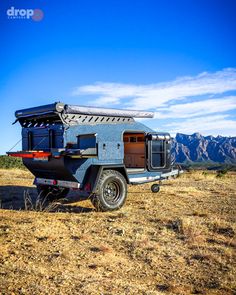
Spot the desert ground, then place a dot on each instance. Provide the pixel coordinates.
(178, 241)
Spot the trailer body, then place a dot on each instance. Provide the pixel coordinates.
(67, 146)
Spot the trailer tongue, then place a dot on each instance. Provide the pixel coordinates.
(98, 150)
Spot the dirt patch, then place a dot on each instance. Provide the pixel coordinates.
(179, 241)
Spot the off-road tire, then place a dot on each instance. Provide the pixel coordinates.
(49, 193)
(111, 191)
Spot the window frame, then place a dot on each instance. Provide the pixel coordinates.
(160, 153)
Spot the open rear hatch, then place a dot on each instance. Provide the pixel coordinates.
(42, 130)
(44, 151)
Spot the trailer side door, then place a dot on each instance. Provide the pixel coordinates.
(158, 152)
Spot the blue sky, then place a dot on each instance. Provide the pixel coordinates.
(176, 58)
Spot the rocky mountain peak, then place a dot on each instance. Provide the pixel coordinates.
(199, 148)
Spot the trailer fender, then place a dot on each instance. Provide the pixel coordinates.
(95, 171)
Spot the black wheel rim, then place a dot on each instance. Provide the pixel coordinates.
(111, 192)
(155, 188)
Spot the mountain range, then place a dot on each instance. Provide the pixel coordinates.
(197, 148)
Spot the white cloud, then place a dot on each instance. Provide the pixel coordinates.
(151, 96)
(197, 108)
(107, 100)
(211, 125)
(193, 104)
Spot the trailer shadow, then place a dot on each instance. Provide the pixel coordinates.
(26, 198)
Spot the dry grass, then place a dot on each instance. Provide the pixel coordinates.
(179, 241)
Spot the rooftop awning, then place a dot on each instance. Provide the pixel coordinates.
(60, 108)
(74, 109)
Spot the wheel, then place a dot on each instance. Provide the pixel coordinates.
(111, 191)
(51, 193)
(155, 188)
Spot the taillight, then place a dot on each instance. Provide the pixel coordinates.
(87, 187)
(54, 182)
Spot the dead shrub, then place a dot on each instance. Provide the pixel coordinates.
(40, 204)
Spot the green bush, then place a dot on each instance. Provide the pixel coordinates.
(221, 173)
(205, 173)
(7, 162)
